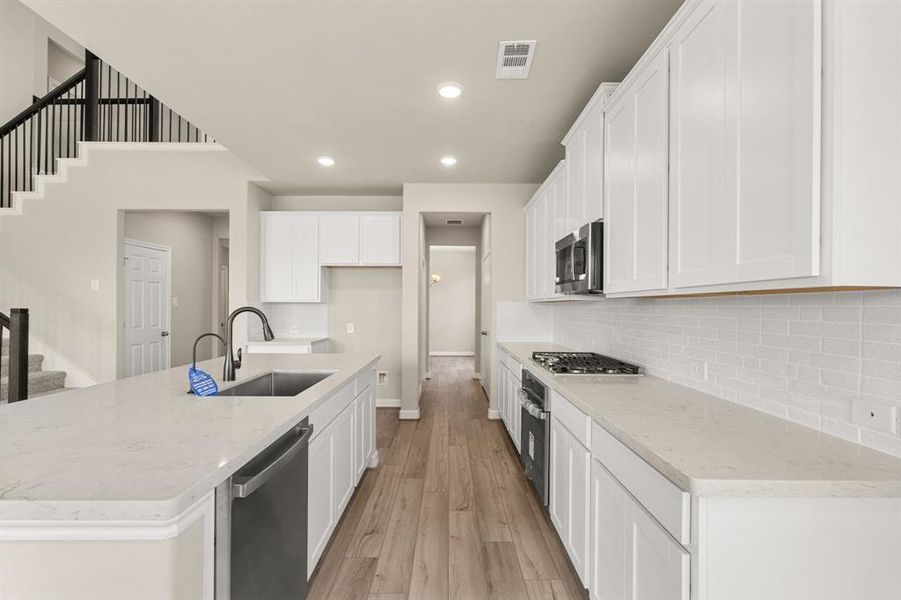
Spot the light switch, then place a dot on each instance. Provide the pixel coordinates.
(174, 301)
(95, 285)
(350, 328)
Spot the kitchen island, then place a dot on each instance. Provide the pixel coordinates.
(108, 491)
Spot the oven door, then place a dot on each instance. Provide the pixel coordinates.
(534, 440)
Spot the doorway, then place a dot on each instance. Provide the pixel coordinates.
(452, 303)
(146, 285)
(160, 323)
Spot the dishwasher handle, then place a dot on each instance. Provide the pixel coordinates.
(244, 485)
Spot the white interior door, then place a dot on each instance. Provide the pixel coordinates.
(485, 331)
(146, 290)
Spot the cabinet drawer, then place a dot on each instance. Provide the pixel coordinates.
(326, 412)
(577, 422)
(513, 366)
(659, 496)
(363, 381)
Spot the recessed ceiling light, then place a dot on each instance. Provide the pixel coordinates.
(448, 161)
(326, 161)
(449, 89)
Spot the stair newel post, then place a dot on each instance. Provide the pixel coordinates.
(18, 355)
(153, 120)
(91, 97)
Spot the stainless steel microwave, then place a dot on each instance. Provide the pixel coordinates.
(580, 261)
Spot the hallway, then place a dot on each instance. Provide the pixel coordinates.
(448, 513)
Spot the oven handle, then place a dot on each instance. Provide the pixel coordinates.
(530, 406)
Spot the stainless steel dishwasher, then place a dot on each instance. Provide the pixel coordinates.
(269, 521)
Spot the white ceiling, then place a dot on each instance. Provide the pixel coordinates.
(281, 82)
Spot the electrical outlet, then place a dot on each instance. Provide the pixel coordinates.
(95, 285)
(698, 368)
(875, 415)
(382, 378)
(175, 301)
(294, 330)
(350, 328)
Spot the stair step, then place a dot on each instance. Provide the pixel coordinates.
(38, 382)
(35, 361)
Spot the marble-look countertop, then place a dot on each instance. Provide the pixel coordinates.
(712, 447)
(141, 448)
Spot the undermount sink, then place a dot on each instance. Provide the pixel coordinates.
(277, 383)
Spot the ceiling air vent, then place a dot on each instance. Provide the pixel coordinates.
(454, 221)
(514, 59)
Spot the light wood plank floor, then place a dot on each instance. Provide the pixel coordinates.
(448, 513)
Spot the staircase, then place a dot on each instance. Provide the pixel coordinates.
(96, 104)
(39, 381)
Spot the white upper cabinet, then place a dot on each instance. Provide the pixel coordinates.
(635, 228)
(290, 258)
(584, 200)
(541, 234)
(339, 239)
(380, 239)
(744, 143)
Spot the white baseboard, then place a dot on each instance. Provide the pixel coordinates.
(494, 414)
(408, 414)
(387, 402)
(373, 460)
(451, 353)
(477, 376)
(428, 374)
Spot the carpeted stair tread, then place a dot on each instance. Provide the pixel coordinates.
(35, 362)
(38, 383)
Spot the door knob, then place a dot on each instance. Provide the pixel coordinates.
(483, 332)
(164, 333)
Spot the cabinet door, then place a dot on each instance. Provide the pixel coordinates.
(575, 181)
(530, 251)
(277, 233)
(559, 478)
(549, 257)
(344, 478)
(380, 239)
(321, 515)
(745, 143)
(516, 409)
(561, 206)
(369, 433)
(635, 184)
(593, 186)
(579, 501)
(306, 272)
(699, 164)
(659, 565)
(361, 425)
(607, 579)
(339, 239)
(541, 247)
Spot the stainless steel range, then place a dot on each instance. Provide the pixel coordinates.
(583, 363)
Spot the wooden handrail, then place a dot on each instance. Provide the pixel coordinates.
(48, 99)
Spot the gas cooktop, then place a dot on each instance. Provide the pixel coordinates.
(583, 363)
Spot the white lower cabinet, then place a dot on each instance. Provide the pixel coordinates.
(569, 494)
(632, 555)
(343, 445)
(508, 404)
(321, 517)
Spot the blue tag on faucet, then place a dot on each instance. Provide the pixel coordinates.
(202, 384)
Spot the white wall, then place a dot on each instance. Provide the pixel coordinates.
(24, 40)
(368, 297)
(190, 237)
(504, 204)
(50, 253)
(452, 301)
(803, 357)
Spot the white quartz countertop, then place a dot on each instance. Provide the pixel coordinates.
(143, 449)
(713, 447)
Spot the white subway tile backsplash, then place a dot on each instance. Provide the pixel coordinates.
(802, 357)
